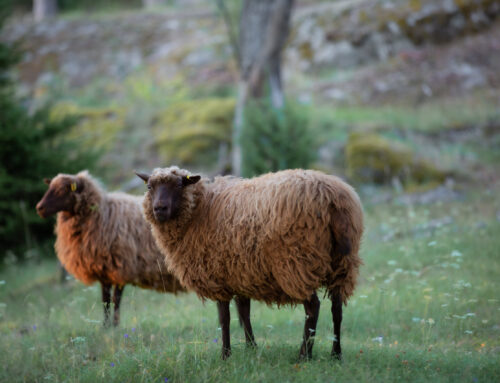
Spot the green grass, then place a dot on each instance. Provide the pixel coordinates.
(432, 117)
(427, 309)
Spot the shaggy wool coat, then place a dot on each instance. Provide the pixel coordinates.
(275, 238)
(108, 240)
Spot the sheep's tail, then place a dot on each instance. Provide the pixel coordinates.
(346, 231)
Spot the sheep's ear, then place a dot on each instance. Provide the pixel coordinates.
(190, 180)
(47, 180)
(77, 185)
(143, 176)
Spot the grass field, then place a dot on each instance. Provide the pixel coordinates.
(427, 309)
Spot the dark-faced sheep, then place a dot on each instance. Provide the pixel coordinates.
(276, 238)
(104, 237)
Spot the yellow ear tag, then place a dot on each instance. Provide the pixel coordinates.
(73, 186)
(187, 176)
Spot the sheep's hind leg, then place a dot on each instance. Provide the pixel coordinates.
(243, 306)
(337, 321)
(311, 307)
(117, 297)
(106, 299)
(224, 320)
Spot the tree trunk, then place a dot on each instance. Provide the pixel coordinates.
(43, 9)
(153, 3)
(264, 28)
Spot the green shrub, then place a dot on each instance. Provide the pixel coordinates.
(274, 140)
(97, 127)
(191, 132)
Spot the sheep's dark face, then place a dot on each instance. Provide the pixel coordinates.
(166, 194)
(61, 196)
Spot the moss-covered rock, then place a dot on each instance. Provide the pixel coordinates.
(191, 132)
(373, 158)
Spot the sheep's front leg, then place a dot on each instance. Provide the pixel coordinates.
(311, 307)
(337, 321)
(117, 297)
(243, 306)
(106, 300)
(224, 320)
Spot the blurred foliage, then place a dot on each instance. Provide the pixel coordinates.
(31, 147)
(190, 132)
(122, 118)
(276, 139)
(96, 127)
(373, 158)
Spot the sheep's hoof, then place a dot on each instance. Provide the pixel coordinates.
(337, 355)
(226, 353)
(304, 357)
(251, 344)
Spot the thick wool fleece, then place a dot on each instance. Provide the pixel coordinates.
(275, 238)
(108, 240)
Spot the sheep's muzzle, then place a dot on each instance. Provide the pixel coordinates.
(165, 202)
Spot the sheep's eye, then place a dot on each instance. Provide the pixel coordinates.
(149, 187)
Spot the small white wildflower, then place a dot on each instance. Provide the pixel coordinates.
(432, 243)
(415, 319)
(392, 262)
(88, 320)
(78, 339)
(2, 282)
(271, 326)
(456, 253)
(468, 332)
(378, 339)
(431, 321)
(363, 296)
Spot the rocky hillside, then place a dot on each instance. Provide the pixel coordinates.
(413, 35)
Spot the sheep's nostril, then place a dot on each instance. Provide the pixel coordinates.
(160, 209)
(40, 209)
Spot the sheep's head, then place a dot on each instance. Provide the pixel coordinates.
(61, 195)
(166, 191)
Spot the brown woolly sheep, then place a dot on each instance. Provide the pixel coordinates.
(275, 238)
(104, 237)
